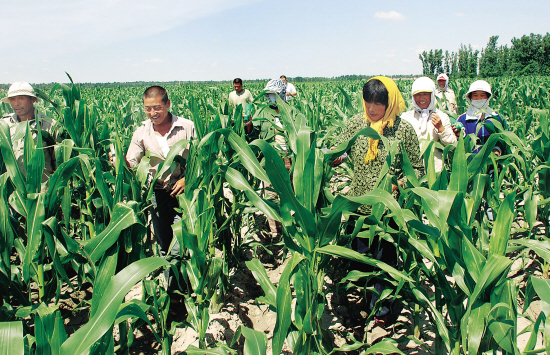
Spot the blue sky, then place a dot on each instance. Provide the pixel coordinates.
(117, 41)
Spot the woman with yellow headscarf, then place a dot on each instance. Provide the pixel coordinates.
(382, 104)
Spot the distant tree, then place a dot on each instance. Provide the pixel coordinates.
(489, 60)
(527, 54)
(447, 62)
(425, 63)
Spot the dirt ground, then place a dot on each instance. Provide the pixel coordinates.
(345, 313)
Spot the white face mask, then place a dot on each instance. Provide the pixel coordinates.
(479, 104)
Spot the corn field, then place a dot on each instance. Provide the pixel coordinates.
(87, 231)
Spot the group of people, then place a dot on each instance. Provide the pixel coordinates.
(383, 106)
(382, 110)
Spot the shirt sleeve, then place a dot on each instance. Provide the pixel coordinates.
(136, 151)
(352, 127)
(447, 136)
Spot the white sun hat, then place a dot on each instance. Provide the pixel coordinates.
(19, 88)
(479, 85)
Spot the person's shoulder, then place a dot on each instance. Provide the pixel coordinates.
(441, 114)
(8, 117)
(462, 117)
(450, 91)
(46, 122)
(183, 122)
(403, 124)
(408, 115)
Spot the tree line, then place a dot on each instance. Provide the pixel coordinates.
(528, 55)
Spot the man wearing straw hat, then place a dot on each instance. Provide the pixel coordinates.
(21, 97)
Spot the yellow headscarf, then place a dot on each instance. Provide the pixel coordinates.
(396, 105)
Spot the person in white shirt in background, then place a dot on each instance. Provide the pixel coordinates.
(239, 96)
(445, 95)
(290, 89)
(430, 124)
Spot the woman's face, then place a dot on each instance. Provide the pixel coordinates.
(375, 110)
(441, 83)
(479, 95)
(423, 99)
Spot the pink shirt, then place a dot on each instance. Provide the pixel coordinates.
(144, 140)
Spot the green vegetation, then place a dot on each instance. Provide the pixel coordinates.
(89, 229)
(528, 55)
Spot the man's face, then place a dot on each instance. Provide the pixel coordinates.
(23, 105)
(238, 87)
(283, 78)
(441, 83)
(156, 110)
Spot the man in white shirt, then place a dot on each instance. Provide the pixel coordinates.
(290, 89)
(157, 135)
(240, 96)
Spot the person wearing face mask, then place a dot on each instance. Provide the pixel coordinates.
(445, 96)
(429, 123)
(477, 119)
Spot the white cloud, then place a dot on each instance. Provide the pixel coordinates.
(215, 64)
(460, 14)
(154, 60)
(87, 24)
(390, 55)
(390, 15)
(127, 59)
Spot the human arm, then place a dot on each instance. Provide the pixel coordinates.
(445, 132)
(136, 150)
(354, 125)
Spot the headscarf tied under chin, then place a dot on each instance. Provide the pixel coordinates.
(396, 105)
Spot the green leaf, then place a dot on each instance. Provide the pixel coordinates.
(384, 347)
(459, 175)
(193, 350)
(12, 166)
(542, 287)
(237, 181)
(501, 230)
(11, 338)
(342, 252)
(121, 218)
(284, 302)
(260, 274)
(107, 310)
(255, 341)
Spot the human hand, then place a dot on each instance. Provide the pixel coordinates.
(456, 131)
(436, 121)
(178, 188)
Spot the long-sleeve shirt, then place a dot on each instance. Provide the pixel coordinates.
(431, 133)
(486, 128)
(365, 176)
(145, 140)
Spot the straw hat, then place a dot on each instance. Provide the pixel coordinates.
(19, 88)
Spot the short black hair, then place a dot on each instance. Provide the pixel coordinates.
(155, 91)
(375, 91)
(237, 81)
(282, 76)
